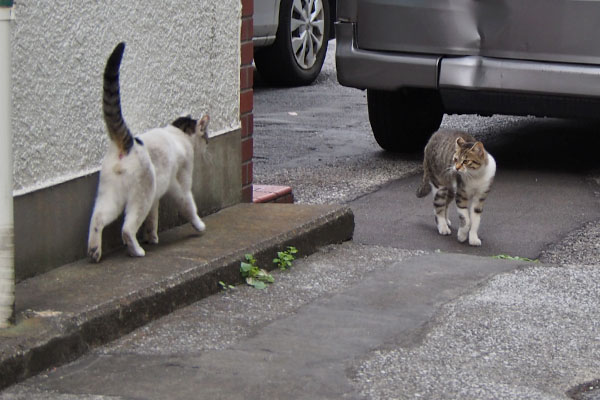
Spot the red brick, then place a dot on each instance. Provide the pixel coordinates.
(246, 77)
(247, 149)
(247, 125)
(247, 173)
(246, 101)
(247, 29)
(247, 53)
(243, 78)
(247, 8)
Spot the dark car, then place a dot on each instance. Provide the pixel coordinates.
(421, 59)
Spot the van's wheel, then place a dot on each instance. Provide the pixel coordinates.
(402, 121)
(297, 55)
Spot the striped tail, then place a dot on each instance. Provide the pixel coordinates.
(117, 129)
(425, 188)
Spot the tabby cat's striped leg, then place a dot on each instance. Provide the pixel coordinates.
(449, 199)
(462, 206)
(475, 210)
(440, 207)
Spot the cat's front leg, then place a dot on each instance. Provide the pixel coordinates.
(95, 243)
(187, 207)
(465, 224)
(462, 206)
(475, 210)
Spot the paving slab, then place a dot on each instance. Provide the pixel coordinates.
(63, 313)
(308, 353)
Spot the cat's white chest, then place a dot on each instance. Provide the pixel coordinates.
(482, 182)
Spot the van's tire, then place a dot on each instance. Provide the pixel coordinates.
(402, 121)
(288, 62)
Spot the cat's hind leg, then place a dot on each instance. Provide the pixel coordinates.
(440, 207)
(151, 225)
(449, 199)
(135, 214)
(106, 210)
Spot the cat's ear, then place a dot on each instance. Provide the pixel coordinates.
(478, 149)
(202, 127)
(203, 123)
(460, 142)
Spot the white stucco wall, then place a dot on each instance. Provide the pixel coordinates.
(181, 56)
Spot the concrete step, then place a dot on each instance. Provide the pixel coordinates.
(63, 313)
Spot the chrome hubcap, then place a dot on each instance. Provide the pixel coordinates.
(307, 31)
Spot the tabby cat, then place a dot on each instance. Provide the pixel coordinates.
(137, 171)
(457, 166)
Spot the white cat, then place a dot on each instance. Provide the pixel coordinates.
(137, 171)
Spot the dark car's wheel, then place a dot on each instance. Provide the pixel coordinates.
(403, 121)
(297, 55)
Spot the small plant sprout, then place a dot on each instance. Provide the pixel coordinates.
(255, 276)
(284, 258)
(225, 287)
(514, 258)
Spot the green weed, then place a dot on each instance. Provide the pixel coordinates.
(284, 258)
(254, 275)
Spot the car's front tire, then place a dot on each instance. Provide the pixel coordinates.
(402, 121)
(297, 55)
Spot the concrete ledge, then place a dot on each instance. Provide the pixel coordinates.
(66, 311)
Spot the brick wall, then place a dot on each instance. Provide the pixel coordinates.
(247, 98)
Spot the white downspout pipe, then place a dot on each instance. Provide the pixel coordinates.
(7, 267)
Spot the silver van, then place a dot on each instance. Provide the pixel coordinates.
(421, 59)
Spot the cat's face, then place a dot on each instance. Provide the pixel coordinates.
(468, 156)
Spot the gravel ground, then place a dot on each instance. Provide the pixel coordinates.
(536, 333)
(581, 247)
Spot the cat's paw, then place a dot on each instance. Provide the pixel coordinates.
(444, 230)
(95, 254)
(133, 247)
(135, 252)
(198, 225)
(462, 235)
(474, 241)
(150, 237)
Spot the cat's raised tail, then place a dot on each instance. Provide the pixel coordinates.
(111, 106)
